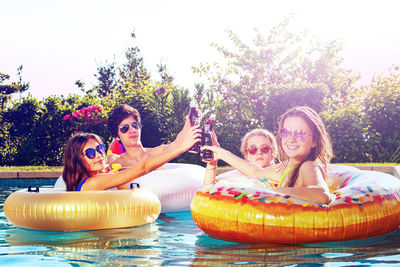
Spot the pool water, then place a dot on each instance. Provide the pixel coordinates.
(175, 240)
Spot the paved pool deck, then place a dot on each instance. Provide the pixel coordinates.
(30, 174)
(395, 170)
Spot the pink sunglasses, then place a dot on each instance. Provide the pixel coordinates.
(254, 149)
(300, 135)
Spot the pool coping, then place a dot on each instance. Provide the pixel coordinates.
(30, 174)
(55, 174)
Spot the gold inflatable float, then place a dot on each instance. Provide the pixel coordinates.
(57, 210)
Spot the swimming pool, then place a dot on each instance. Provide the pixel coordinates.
(174, 240)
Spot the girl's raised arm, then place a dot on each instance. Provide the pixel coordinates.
(188, 137)
(245, 167)
(211, 168)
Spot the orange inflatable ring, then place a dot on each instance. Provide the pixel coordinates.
(367, 204)
(57, 210)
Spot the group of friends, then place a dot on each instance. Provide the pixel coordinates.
(296, 160)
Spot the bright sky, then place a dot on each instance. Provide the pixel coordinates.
(59, 42)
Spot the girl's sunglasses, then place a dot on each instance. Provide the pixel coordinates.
(91, 152)
(124, 128)
(254, 149)
(300, 135)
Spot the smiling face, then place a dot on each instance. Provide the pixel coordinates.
(296, 148)
(132, 136)
(259, 151)
(96, 164)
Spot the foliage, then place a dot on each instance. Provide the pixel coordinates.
(87, 119)
(261, 80)
(34, 132)
(6, 90)
(18, 123)
(283, 98)
(106, 76)
(251, 88)
(382, 117)
(347, 133)
(50, 133)
(133, 72)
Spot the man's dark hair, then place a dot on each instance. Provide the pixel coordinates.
(119, 114)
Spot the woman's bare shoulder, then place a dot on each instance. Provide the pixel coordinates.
(310, 164)
(311, 172)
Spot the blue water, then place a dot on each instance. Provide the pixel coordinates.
(174, 240)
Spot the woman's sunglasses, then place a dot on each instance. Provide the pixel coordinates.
(124, 128)
(254, 149)
(91, 152)
(300, 135)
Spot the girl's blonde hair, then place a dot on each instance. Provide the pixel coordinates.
(259, 132)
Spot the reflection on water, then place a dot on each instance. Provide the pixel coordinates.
(383, 249)
(174, 240)
(113, 246)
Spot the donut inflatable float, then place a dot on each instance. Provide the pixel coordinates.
(175, 186)
(57, 210)
(367, 204)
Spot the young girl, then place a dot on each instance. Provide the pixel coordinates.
(304, 150)
(258, 146)
(85, 161)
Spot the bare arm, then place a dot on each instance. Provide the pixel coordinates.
(247, 168)
(159, 149)
(211, 168)
(210, 173)
(163, 147)
(312, 186)
(189, 137)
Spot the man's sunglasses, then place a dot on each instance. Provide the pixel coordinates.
(124, 128)
(254, 149)
(300, 135)
(91, 152)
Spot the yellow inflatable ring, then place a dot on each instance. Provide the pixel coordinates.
(367, 204)
(57, 210)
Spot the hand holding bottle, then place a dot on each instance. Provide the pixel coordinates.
(207, 139)
(195, 119)
(188, 136)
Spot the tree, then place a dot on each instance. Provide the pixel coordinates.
(106, 77)
(345, 126)
(382, 117)
(259, 81)
(133, 71)
(6, 90)
(20, 121)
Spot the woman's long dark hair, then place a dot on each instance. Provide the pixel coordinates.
(322, 152)
(74, 164)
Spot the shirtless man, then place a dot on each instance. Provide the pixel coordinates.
(125, 126)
